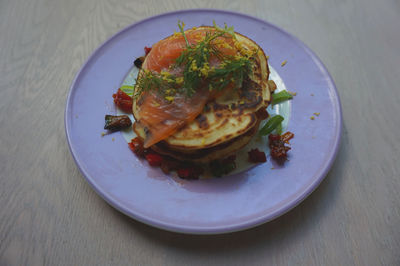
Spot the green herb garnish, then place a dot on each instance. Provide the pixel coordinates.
(232, 71)
(127, 89)
(181, 25)
(196, 69)
(279, 129)
(281, 96)
(272, 123)
(166, 84)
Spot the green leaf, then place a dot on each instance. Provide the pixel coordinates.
(127, 89)
(271, 124)
(280, 97)
(279, 129)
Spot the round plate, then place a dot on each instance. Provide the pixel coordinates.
(209, 206)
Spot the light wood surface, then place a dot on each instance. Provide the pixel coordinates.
(51, 216)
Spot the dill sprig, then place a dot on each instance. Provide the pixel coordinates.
(181, 26)
(233, 70)
(196, 70)
(165, 83)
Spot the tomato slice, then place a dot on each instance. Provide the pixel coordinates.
(123, 101)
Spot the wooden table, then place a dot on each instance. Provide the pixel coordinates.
(51, 216)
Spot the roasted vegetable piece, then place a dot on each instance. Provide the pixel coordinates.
(287, 136)
(190, 172)
(154, 159)
(136, 145)
(278, 149)
(139, 61)
(168, 165)
(116, 123)
(257, 156)
(123, 101)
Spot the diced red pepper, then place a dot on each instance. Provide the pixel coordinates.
(256, 156)
(154, 159)
(192, 172)
(273, 137)
(123, 101)
(136, 145)
(147, 50)
(183, 173)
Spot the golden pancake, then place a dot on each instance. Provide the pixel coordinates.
(226, 118)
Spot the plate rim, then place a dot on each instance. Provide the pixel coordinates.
(204, 230)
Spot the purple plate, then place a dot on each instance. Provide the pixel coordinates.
(212, 206)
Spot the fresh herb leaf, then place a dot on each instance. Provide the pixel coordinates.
(127, 89)
(271, 124)
(281, 96)
(234, 70)
(279, 129)
(165, 83)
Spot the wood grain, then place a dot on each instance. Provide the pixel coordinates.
(51, 216)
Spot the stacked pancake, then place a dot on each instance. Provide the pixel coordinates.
(208, 125)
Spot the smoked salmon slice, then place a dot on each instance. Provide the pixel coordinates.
(162, 118)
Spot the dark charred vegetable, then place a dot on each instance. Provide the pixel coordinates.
(262, 114)
(139, 61)
(116, 123)
(256, 156)
(278, 148)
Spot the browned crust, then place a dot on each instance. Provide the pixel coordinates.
(206, 155)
